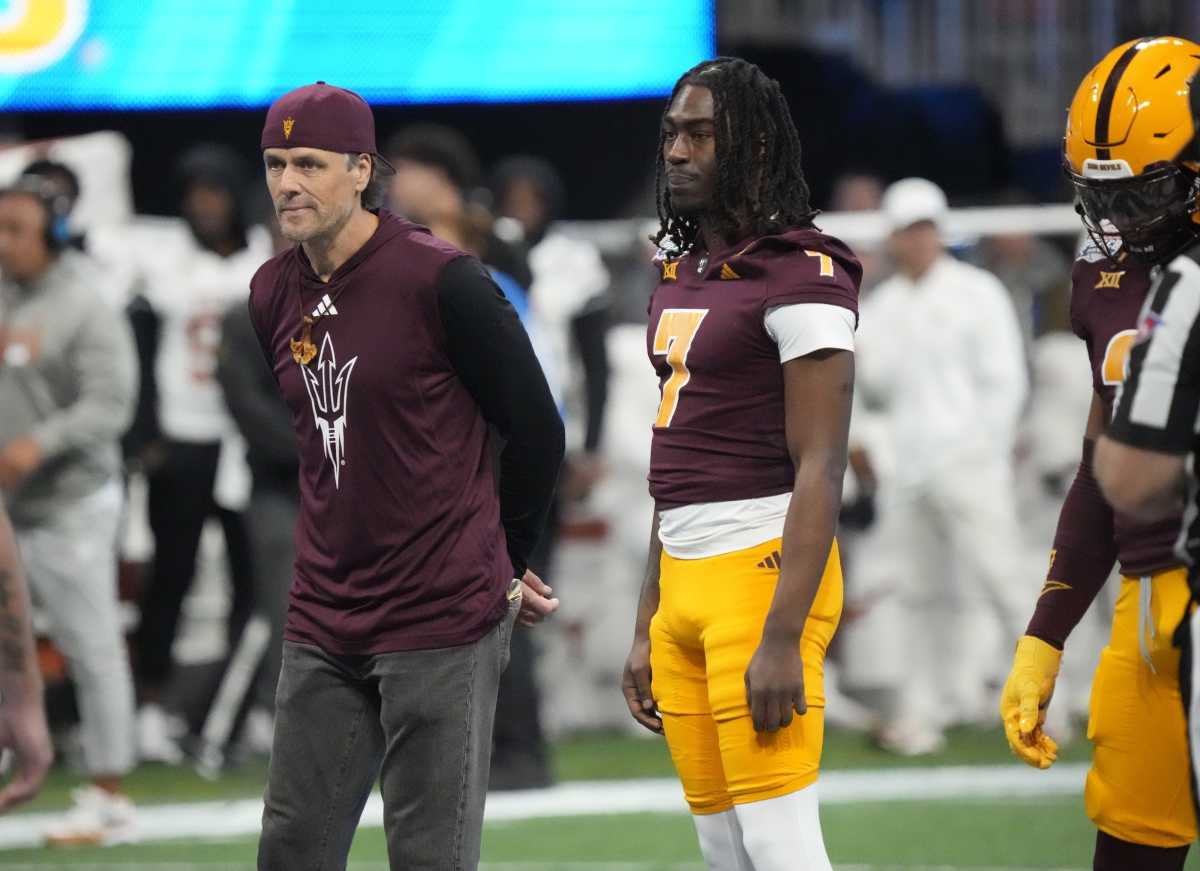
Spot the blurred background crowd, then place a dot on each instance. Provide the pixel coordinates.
(967, 422)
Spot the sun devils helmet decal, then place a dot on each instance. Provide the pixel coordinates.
(328, 388)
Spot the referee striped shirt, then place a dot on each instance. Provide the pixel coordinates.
(1158, 406)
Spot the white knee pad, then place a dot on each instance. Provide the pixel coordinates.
(721, 842)
(784, 833)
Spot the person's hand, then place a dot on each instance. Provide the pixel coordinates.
(536, 601)
(25, 740)
(635, 683)
(775, 685)
(1025, 698)
(18, 459)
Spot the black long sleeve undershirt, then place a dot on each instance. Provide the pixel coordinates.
(491, 353)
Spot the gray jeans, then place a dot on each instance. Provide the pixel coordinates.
(419, 720)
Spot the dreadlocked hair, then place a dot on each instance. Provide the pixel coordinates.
(760, 184)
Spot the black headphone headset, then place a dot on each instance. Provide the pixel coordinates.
(56, 204)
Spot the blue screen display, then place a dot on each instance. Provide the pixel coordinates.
(156, 54)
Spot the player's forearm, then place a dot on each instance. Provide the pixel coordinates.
(807, 539)
(648, 600)
(1083, 556)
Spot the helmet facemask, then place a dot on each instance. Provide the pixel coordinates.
(1149, 216)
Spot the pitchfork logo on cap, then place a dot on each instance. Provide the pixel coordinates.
(288, 124)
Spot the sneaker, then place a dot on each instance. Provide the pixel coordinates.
(96, 818)
(156, 736)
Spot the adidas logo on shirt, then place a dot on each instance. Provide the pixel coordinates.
(325, 308)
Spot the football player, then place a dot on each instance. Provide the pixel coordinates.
(752, 334)
(1126, 128)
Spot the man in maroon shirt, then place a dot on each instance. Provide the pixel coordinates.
(394, 352)
(752, 336)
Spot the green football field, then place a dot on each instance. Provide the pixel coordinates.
(1012, 832)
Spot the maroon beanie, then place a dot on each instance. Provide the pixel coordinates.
(322, 116)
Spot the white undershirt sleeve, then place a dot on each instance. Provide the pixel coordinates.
(801, 328)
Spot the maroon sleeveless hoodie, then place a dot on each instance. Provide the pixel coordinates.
(399, 542)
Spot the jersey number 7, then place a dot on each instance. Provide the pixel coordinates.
(676, 330)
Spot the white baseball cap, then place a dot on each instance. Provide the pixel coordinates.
(912, 200)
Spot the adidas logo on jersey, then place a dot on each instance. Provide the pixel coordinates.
(325, 308)
(774, 561)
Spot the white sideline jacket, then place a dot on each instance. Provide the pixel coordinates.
(942, 359)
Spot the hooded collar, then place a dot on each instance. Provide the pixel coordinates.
(390, 226)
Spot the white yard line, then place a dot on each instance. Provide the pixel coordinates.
(231, 819)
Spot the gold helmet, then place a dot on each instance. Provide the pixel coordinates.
(1129, 148)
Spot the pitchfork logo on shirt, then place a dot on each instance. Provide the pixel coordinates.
(328, 388)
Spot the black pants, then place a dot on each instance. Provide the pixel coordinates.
(180, 501)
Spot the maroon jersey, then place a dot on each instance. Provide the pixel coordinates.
(399, 542)
(719, 434)
(1106, 299)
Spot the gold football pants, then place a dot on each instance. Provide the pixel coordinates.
(709, 623)
(1137, 789)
